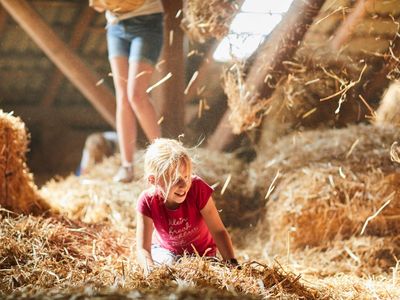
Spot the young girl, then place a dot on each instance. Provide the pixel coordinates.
(179, 207)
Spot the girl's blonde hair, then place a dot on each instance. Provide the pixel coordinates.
(163, 160)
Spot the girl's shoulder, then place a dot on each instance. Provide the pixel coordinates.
(149, 195)
(197, 181)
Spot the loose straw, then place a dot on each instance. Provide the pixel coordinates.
(161, 81)
(226, 184)
(377, 213)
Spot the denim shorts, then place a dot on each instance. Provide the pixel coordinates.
(139, 38)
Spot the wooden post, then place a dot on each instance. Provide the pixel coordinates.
(347, 27)
(268, 68)
(173, 107)
(222, 136)
(62, 56)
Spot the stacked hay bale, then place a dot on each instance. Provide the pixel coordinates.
(327, 186)
(18, 192)
(237, 203)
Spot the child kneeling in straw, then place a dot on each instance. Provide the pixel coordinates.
(180, 208)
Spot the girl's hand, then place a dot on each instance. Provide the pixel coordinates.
(99, 9)
(96, 5)
(233, 263)
(148, 270)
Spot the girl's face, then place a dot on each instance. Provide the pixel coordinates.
(179, 188)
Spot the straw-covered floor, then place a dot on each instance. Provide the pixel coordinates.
(85, 246)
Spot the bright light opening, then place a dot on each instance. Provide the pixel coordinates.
(249, 28)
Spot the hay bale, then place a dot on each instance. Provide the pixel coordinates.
(329, 183)
(356, 256)
(237, 203)
(203, 20)
(388, 110)
(18, 192)
(95, 197)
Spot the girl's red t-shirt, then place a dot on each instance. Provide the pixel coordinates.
(183, 229)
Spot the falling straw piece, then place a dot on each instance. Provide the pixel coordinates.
(352, 147)
(310, 112)
(195, 74)
(226, 184)
(371, 110)
(159, 64)
(161, 81)
(214, 186)
(142, 73)
(377, 212)
(160, 120)
(272, 185)
(191, 53)
(171, 37)
(312, 81)
(394, 274)
(341, 173)
(100, 82)
(201, 106)
(352, 254)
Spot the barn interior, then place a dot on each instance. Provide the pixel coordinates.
(299, 140)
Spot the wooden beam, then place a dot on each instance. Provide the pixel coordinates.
(222, 136)
(63, 57)
(3, 20)
(347, 27)
(268, 68)
(78, 33)
(173, 107)
(281, 46)
(75, 116)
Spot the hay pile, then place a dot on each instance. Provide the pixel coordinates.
(42, 252)
(48, 256)
(94, 197)
(203, 20)
(17, 190)
(327, 184)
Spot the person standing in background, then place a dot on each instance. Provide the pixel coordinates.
(134, 41)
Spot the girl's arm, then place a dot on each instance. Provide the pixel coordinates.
(144, 231)
(218, 230)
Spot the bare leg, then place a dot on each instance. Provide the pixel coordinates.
(138, 81)
(125, 117)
